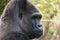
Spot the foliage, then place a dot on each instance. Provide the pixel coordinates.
(2, 5)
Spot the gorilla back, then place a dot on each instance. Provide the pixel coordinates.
(20, 20)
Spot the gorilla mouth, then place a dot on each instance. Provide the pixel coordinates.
(35, 34)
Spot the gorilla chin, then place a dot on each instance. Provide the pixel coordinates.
(35, 34)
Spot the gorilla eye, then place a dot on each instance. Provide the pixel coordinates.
(36, 17)
(20, 15)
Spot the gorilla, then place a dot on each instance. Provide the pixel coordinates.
(20, 20)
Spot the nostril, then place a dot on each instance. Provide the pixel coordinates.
(39, 25)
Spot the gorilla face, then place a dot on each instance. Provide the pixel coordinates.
(32, 26)
(30, 22)
(37, 30)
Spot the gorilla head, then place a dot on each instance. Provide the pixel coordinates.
(30, 21)
(20, 16)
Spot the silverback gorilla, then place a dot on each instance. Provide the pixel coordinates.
(20, 21)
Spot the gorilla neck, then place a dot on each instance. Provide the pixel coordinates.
(15, 36)
(14, 31)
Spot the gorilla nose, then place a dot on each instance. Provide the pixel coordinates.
(40, 27)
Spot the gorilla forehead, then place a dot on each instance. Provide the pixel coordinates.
(31, 8)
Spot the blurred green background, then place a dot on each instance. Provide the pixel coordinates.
(51, 17)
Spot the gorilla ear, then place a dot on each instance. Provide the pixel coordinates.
(22, 4)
